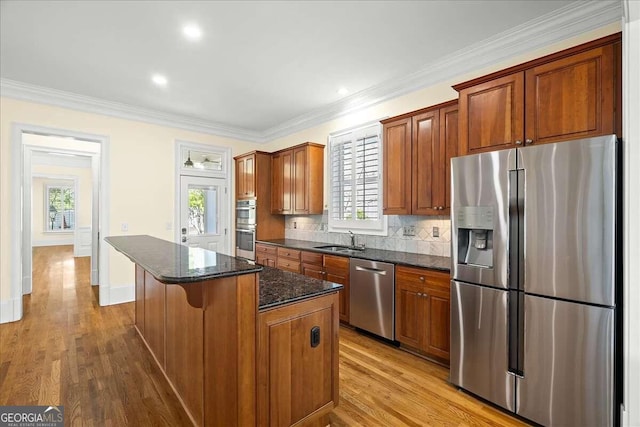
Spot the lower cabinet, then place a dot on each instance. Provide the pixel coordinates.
(422, 311)
(331, 268)
(266, 255)
(288, 260)
(297, 369)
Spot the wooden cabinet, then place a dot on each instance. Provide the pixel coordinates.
(311, 264)
(154, 315)
(297, 368)
(140, 299)
(298, 180)
(253, 179)
(288, 260)
(266, 255)
(333, 269)
(336, 269)
(567, 95)
(422, 311)
(417, 148)
(245, 176)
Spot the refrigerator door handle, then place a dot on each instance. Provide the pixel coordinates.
(516, 333)
(516, 230)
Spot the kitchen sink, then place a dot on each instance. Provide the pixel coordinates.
(339, 248)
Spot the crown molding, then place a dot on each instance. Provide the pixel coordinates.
(572, 20)
(28, 92)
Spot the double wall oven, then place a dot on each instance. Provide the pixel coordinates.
(246, 229)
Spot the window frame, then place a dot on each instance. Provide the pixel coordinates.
(377, 227)
(47, 219)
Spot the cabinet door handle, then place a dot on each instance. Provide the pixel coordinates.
(422, 278)
(419, 294)
(528, 141)
(518, 142)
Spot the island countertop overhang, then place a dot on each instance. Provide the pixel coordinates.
(175, 264)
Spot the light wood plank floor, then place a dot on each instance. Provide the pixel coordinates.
(69, 351)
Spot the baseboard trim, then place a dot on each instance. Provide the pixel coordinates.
(10, 310)
(122, 294)
(56, 242)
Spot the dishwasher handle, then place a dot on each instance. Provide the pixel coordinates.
(371, 270)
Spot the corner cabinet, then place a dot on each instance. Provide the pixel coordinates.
(422, 311)
(298, 180)
(417, 149)
(297, 369)
(568, 95)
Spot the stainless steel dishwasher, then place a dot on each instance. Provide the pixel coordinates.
(372, 297)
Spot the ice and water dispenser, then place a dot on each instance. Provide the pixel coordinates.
(475, 235)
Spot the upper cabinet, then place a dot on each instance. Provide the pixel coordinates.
(246, 176)
(567, 95)
(253, 176)
(417, 148)
(298, 180)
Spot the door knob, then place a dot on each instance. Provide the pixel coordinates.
(518, 142)
(528, 141)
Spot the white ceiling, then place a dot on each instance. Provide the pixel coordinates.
(260, 68)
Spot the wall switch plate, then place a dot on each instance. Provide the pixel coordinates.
(409, 230)
(295, 224)
(124, 227)
(435, 232)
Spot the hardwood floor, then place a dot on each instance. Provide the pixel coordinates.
(69, 351)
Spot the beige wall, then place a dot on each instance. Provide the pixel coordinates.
(83, 201)
(141, 174)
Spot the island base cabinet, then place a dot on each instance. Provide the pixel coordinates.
(298, 362)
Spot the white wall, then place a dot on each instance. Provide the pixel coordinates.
(39, 235)
(631, 100)
(141, 174)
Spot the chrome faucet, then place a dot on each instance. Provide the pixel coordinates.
(353, 239)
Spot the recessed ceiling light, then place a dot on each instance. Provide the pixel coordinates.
(192, 32)
(343, 91)
(159, 80)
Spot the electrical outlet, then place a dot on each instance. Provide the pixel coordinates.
(409, 230)
(295, 224)
(435, 232)
(124, 227)
(168, 225)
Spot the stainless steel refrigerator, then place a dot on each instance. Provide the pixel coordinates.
(533, 296)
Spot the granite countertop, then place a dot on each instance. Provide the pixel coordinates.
(394, 257)
(169, 262)
(278, 287)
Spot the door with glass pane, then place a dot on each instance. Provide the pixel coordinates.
(204, 213)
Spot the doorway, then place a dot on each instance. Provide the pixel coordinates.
(203, 221)
(27, 142)
(203, 200)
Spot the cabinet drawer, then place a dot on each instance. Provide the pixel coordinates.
(291, 254)
(336, 262)
(288, 265)
(266, 249)
(311, 258)
(422, 276)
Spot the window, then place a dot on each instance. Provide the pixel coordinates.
(355, 183)
(60, 208)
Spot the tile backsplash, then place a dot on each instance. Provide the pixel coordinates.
(314, 228)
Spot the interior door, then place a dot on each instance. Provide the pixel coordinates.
(204, 213)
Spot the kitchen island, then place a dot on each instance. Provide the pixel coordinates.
(238, 343)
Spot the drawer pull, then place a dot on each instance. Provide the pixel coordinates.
(422, 278)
